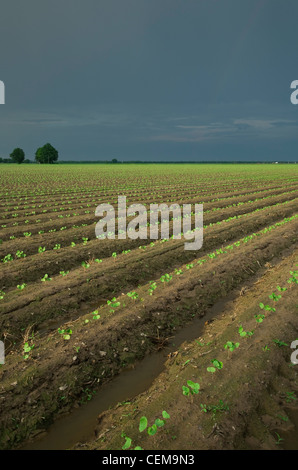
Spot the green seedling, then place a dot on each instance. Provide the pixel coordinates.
(133, 295)
(166, 278)
(280, 343)
(281, 289)
(152, 430)
(64, 273)
(66, 333)
(113, 303)
(259, 318)
(267, 307)
(95, 314)
(279, 439)
(152, 287)
(290, 397)
(27, 350)
(46, 278)
(192, 389)
(143, 424)
(231, 346)
(7, 258)
(178, 271)
(274, 297)
(217, 364)
(21, 286)
(219, 407)
(283, 418)
(243, 333)
(189, 266)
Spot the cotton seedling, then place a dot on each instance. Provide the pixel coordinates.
(192, 388)
(274, 297)
(231, 346)
(95, 314)
(152, 287)
(133, 295)
(64, 273)
(189, 266)
(178, 271)
(216, 365)
(21, 286)
(267, 308)
(259, 318)
(243, 333)
(159, 423)
(66, 333)
(166, 278)
(27, 349)
(113, 304)
(7, 258)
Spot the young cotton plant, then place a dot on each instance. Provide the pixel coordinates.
(159, 423)
(231, 346)
(66, 333)
(192, 389)
(216, 365)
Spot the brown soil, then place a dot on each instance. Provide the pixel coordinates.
(250, 403)
(63, 299)
(33, 389)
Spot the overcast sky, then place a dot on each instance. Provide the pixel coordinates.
(150, 79)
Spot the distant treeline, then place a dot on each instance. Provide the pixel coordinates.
(216, 162)
(113, 162)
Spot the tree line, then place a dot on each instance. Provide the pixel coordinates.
(45, 154)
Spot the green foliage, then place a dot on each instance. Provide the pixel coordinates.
(192, 389)
(231, 346)
(17, 155)
(46, 154)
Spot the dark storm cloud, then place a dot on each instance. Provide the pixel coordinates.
(150, 79)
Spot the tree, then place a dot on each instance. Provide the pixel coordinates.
(46, 154)
(17, 155)
(114, 160)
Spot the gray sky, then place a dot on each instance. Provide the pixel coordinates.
(150, 79)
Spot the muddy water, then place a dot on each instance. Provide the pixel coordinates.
(80, 424)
